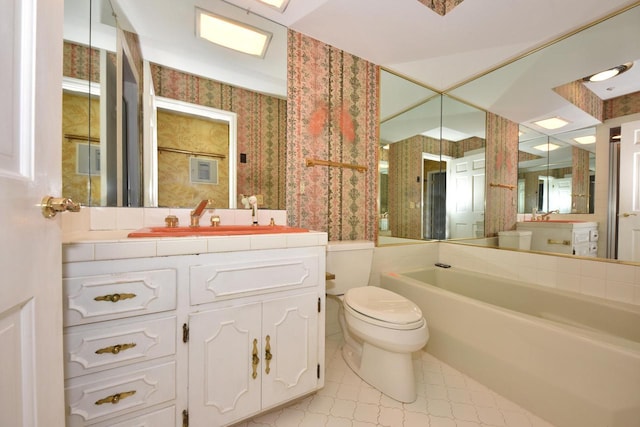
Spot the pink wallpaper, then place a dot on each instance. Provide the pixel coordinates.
(332, 111)
(578, 94)
(622, 106)
(441, 7)
(502, 169)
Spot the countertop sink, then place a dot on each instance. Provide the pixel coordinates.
(221, 230)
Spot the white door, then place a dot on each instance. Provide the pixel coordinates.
(629, 193)
(465, 197)
(30, 255)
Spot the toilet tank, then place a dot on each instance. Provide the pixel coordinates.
(350, 262)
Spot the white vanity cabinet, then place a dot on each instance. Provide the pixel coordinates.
(255, 328)
(565, 237)
(255, 356)
(175, 340)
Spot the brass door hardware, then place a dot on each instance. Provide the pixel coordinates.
(627, 215)
(255, 360)
(115, 398)
(52, 205)
(115, 349)
(267, 354)
(114, 297)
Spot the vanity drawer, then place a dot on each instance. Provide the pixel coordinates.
(96, 298)
(93, 348)
(165, 417)
(213, 282)
(112, 393)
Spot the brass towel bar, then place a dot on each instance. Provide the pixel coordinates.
(509, 187)
(72, 137)
(318, 162)
(192, 153)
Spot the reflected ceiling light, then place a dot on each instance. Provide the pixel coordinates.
(546, 147)
(607, 74)
(589, 139)
(232, 34)
(281, 5)
(552, 123)
(386, 146)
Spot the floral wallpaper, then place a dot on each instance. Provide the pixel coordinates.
(78, 114)
(501, 170)
(622, 106)
(441, 7)
(332, 111)
(183, 132)
(580, 96)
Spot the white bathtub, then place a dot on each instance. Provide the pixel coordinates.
(571, 359)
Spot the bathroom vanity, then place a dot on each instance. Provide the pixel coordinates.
(201, 331)
(564, 237)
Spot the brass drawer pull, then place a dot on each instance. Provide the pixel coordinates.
(115, 398)
(255, 360)
(114, 297)
(115, 349)
(267, 354)
(559, 242)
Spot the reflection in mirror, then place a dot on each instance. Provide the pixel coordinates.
(557, 172)
(433, 149)
(195, 153)
(252, 88)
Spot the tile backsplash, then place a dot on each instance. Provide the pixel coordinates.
(104, 218)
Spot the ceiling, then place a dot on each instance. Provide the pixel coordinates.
(402, 36)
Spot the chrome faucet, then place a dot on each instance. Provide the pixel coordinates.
(198, 211)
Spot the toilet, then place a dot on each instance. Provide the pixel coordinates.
(380, 328)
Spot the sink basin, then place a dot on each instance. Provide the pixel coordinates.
(222, 230)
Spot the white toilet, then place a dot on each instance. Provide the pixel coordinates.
(381, 329)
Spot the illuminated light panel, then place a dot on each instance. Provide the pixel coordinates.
(552, 123)
(232, 34)
(281, 5)
(589, 139)
(546, 147)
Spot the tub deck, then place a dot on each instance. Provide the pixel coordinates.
(571, 359)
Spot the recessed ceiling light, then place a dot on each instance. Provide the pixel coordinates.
(607, 74)
(281, 5)
(552, 123)
(589, 139)
(546, 147)
(232, 34)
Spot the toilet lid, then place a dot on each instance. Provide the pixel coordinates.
(382, 304)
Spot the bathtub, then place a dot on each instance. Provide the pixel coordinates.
(571, 359)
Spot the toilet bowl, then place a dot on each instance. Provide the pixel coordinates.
(381, 329)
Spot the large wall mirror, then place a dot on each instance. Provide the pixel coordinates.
(432, 164)
(117, 166)
(557, 167)
(432, 145)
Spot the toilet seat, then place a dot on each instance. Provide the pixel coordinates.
(383, 308)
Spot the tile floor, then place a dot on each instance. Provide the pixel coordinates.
(446, 398)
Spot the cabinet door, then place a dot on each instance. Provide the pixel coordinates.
(221, 383)
(290, 326)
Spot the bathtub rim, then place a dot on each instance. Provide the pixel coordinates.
(620, 344)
